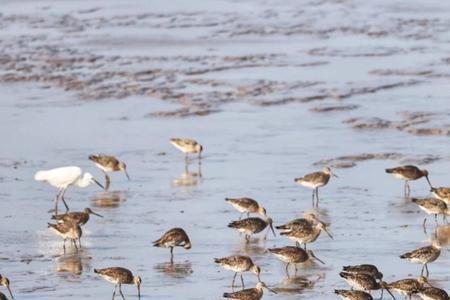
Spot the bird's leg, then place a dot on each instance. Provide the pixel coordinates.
(435, 219)
(421, 272)
(287, 269)
(79, 242)
(234, 278)
(63, 200)
(64, 246)
(114, 293)
(426, 268)
(247, 238)
(240, 217)
(248, 215)
(313, 198)
(424, 227)
(242, 281)
(171, 254)
(304, 246)
(297, 244)
(107, 181)
(317, 197)
(120, 290)
(295, 265)
(75, 244)
(408, 189)
(56, 201)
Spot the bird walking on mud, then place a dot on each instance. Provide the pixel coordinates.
(353, 295)
(108, 163)
(187, 146)
(315, 181)
(239, 264)
(249, 294)
(247, 205)
(119, 276)
(68, 230)
(293, 255)
(77, 217)
(251, 226)
(64, 177)
(175, 237)
(6, 283)
(424, 256)
(408, 173)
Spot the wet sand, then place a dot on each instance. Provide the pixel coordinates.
(269, 103)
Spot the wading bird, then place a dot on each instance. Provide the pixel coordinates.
(247, 205)
(108, 163)
(315, 181)
(408, 173)
(68, 230)
(251, 226)
(64, 177)
(424, 256)
(175, 237)
(5, 282)
(120, 276)
(187, 146)
(293, 255)
(238, 264)
(249, 294)
(353, 295)
(78, 217)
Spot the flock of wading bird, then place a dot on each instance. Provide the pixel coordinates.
(362, 278)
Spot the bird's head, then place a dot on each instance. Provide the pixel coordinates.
(123, 167)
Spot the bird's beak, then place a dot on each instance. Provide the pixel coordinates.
(139, 291)
(329, 234)
(94, 213)
(390, 293)
(271, 228)
(334, 175)
(268, 288)
(316, 258)
(259, 278)
(428, 181)
(126, 173)
(9, 290)
(98, 183)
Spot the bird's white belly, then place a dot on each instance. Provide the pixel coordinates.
(311, 185)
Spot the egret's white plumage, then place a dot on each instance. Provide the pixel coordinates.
(64, 177)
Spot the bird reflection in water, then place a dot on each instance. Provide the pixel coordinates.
(109, 199)
(188, 178)
(69, 264)
(296, 284)
(442, 235)
(175, 270)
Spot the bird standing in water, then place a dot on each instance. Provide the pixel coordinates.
(108, 163)
(175, 237)
(315, 181)
(119, 276)
(408, 173)
(187, 146)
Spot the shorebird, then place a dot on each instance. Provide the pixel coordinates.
(5, 282)
(365, 282)
(308, 221)
(293, 255)
(68, 230)
(432, 206)
(251, 226)
(306, 234)
(108, 163)
(120, 276)
(424, 256)
(315, 181)
(64, 177)
(247, 205)
(364, 269)
(77, 217)
(407, 287)
(239, 264)
(249, 294)
(187, 146)
(441, 193)
(432, 293)
(175, 237)
(408, 173)
(353, 295)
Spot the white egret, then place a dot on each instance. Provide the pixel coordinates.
(64, 177)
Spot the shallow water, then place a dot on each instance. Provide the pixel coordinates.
(230, 69)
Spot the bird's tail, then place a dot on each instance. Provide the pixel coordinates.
(217, 260)
(227, 295)
(282, 227)
(50, 225)
(414, 200)
(233, 224)
(96, 271)
(406, 255)
(389, 171)
(39, 176)
(344, 274)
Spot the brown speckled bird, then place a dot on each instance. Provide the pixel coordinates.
(432, 293)
(175, 237)
(249, 294)
(77, 217)
(315, 181)
(408, 173)
(68, 230)
(293, 255)
(246, 205)
(119, 276)
(432, 206)
(251, 226)
(442, 193)
(407, 287)
(306, 234)
(239, 264)
(187, 146)
(365, 282)
(353, 295)
(423, 256)
(108, 163)
(5, 282)
(364, 269)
